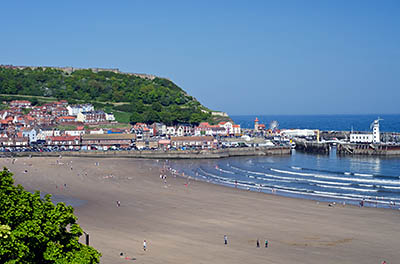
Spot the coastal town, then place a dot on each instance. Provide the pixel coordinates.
(59, 126)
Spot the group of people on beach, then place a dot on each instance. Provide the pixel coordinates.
(257, 243)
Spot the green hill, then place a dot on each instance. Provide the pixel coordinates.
(132, 97)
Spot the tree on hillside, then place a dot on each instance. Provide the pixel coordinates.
(34, 230)
(136, 118)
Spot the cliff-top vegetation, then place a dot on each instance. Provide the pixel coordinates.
(143, 99)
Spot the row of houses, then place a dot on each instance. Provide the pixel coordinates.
(24, 125)
(222, 129)
(54, 113)
(114, 141)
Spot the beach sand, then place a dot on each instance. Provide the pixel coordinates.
(186, 223)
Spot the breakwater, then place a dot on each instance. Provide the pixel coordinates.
(161, 154)
(312, 147)
(368, 149)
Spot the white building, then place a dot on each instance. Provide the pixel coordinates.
(75, 132)
(31, 134)
(361, 138)
(228, 127)
(97, 131)
(298, 132)
(91, 117)
(110, 117)
(48, 132)
(375, 131)
(236, 129)
(375, 137)
(74, 110)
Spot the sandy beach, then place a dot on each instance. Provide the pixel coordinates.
(185, 221)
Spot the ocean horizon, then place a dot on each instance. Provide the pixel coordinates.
(326, 122)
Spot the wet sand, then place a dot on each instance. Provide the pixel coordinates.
(186, 223)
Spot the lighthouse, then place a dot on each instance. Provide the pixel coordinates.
(256, 125)
(375, 132)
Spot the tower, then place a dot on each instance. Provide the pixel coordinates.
(256, 125)
(375, 132)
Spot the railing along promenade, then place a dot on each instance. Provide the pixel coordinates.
(161, 154)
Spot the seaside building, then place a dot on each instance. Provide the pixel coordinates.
(31, 134)
(298, 132)
(375, 132)
(14, 142)
(68, 142)
(46, 132)
(257, 126)
(375, 137)
(227, 126)
(256, 129)
(203, 142)
(236, 130)
(106, 141)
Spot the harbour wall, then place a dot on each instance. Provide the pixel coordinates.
(160, 154)
(368, 149)
(312, 147)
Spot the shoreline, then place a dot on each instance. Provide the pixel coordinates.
(184, 222)
(160, 154)
(287, 194)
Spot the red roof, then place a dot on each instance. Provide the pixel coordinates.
(256, 119)
(67, 117)
(80, 127)
(204, 124)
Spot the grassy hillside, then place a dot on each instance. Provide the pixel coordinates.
(131, 98)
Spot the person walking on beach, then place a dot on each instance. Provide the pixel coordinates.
(118, 203)
(266, 243)
(258, 243)
(225, 239)
(144, 245)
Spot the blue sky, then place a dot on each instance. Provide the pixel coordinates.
(242, 57)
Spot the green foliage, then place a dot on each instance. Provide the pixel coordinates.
(154, 100)
(122, 117)
(136, 118)
(34, 230)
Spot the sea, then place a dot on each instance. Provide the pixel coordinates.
(372, 181)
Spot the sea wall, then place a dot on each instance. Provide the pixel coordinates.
(312, 147)
(160, 154)
(368, 149)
